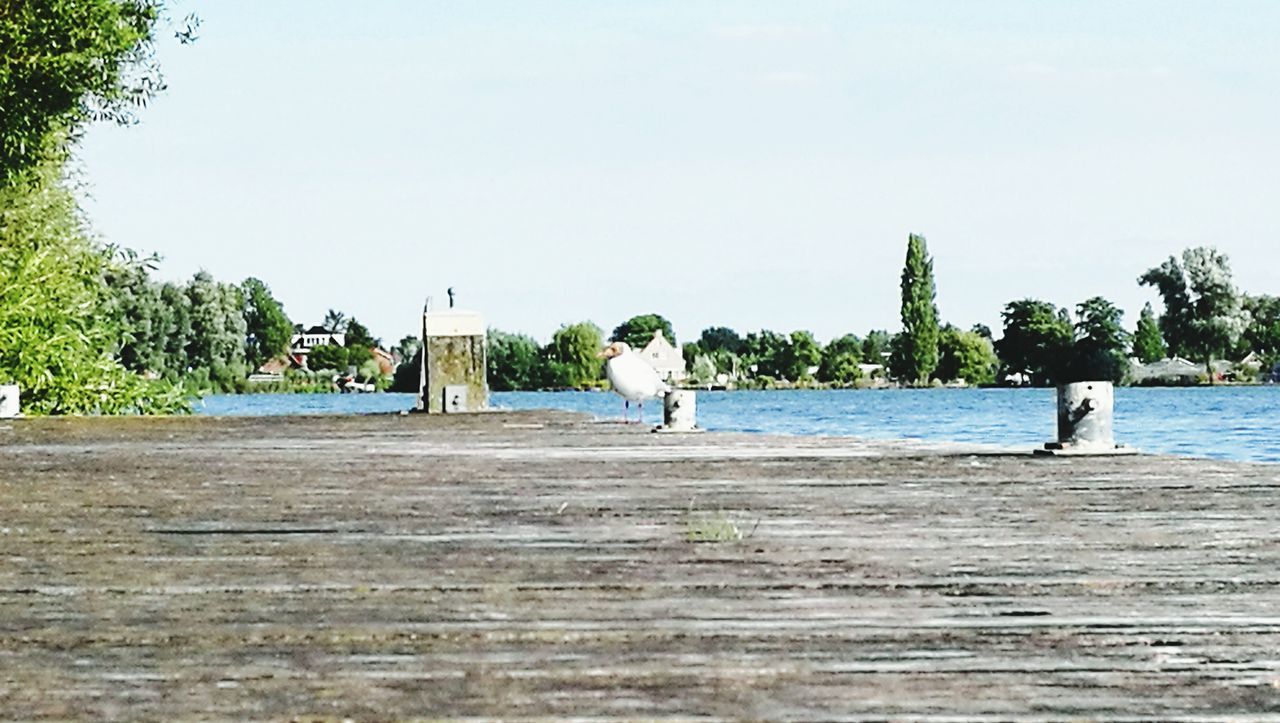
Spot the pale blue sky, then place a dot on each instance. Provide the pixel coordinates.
(751, 164)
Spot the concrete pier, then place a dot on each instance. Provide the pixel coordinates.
(534, 564)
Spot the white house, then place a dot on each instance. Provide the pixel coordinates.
(300, 345)
(664, 358)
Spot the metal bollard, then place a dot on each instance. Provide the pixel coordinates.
(9, 401)
(679, 411)
(1084, 420)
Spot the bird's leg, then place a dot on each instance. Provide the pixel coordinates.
(640, 406)
(626, 409)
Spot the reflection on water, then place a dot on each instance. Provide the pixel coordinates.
(1223, 422)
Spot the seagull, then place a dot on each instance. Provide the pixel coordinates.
(631, 377)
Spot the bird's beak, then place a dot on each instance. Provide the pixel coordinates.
(603, 353)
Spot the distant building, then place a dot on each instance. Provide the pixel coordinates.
(301, 344)
(664, 358)
(1175, 370)
(386, 362)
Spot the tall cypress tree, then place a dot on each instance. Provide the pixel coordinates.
(1148, 344)
(918, 345)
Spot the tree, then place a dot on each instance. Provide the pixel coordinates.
(966, 355)
(1148, 344)
(64, 63)
(58, 331)
(690, 351)
(720, 338)
(1098, 352)
(1175, 324)
(358, 335)
(177, 330)
(134, 305)
(1036, 342)
(218, 332)
(1204, 316)
(407, 347)
(876, 345)
(918, 345)
(702, 370)
(328, 357)
(268, 329)
(840, 360)
(799, 355)
(572, 355)
(638, 330)
(1263, 333)
(335, 321)
(766, 352)
(514, 362)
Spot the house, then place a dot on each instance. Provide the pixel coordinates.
(301, 344)
(386, 362)
(664, 358)
(1175, 370)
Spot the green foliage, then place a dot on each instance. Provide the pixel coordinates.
(1263, 332)
(133, 304)
(1148, 344)
(515, 362)
(689, 351)
(1204, 316)
(720, 338)
(218, 332)
(966, 355)
(702, 370)
(407, 347)
(800, 354)
(268, 329)
(408, 374)
(764, 353)
(58, 331)
(1098, 352)
(66, 62)
(1169, 279)
(1037, 340)
(875, 345)
(917, 349)
(335, 321)
(638, 330)
(840, 361)
(572, 356)
(329, 357)
(358, 335)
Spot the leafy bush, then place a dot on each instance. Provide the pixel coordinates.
(57, 335)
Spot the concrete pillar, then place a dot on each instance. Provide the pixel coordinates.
(453, 374)
(9, 401)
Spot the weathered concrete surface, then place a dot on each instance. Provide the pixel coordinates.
(528, 565)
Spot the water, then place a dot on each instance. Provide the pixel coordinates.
(1237, 423)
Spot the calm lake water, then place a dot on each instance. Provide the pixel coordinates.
(1241, 423)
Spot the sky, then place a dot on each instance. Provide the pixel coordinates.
(736, 163)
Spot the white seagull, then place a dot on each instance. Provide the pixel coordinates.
(631, 377)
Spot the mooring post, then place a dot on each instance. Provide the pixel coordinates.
(9, 401)
(1084, 421)
(452, 378)
(679, 411)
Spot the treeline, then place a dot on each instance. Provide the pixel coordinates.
(84, 329)
(207, 336)
(1041, 344)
